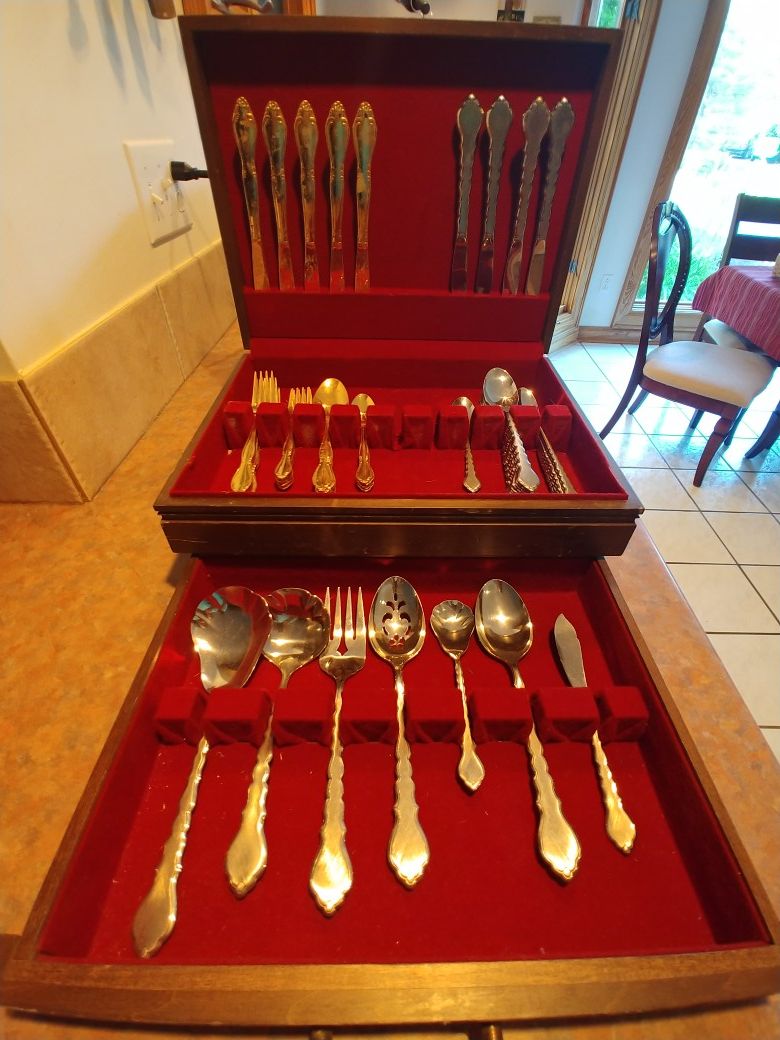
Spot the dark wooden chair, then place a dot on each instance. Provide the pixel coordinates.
(705, 376)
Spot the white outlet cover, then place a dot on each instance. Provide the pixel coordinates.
(161, 201)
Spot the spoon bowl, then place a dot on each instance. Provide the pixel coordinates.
(499, 388)
(229, 629)
(504, 625)
(298, 631)
(330, 391)
(397, 622)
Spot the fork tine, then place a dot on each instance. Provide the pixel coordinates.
(326, 601)
(349, 634)
(360, 631)
(337, 618)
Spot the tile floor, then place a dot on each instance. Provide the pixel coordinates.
(721, 541)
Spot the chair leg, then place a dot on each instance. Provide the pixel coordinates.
(722, 427)
(695, 418)
(768, 436)
(627, 395)
(639, 398)
(730, 435)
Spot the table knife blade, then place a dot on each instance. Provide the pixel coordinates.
(561, 122)
(569, 651)
(469, 121)
(306, 138)
(245, 133)
(364, 132)
(275, 134)
(337, 137)
(536, 120)
(498, 121)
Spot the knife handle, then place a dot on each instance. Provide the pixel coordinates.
(306, 138)
(519, 474)
(561, 123)
(558, 844)
(245, 133)
(498, 120)
(536, 119)
(364, 132)
(337, 137)
(275, 134)
(620, 827)
(469, 121)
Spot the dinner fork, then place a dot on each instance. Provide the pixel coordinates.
(283, 474)
(264, 390)
(331, 874)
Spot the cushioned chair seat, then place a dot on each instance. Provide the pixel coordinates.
(723, 334)
(733, 376)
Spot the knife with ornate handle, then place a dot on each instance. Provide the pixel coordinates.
(554, 473)
(536, 119)
(337, 136)
(620, 827)
(306, 137)
(561, 122)
(498, 121)
(469, 122)
(364, 139)
(275, 134)
(245, 133)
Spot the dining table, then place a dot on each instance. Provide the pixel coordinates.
(747, 299)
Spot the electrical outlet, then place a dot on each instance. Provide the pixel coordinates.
(160, 199)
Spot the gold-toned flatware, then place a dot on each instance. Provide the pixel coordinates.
(364, 475)
(283, 474)
(453, 625)
(265, 390)
(505, 630)
(396, 630)
(561, 122)
(498, 388)
(306, 137)
(337, 137)
(229, 630)
(331, 875)
(536, 119)
(329, 392)
(471, 480)
(620, 827)
(364, 132)
(275, 134)
(557, 479)
(298, 633)
(469, 122)
(245, 133)
(498, 121)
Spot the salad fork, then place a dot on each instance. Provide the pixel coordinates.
(265, 390)
(283, 474)
(331, 874)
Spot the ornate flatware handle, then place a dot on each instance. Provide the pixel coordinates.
(324, 476)
(244, 477)
(471, 481)
(558, 843)
(519, 475)
(469, 122)
(245, 133)
(620, 827)
(283, 474)
(337, 137)
(331, 875)
(470, 768)
(408, 851)
(561, 123)
(275, 134)
(498, 121)
(306, 137)
(247, 856)
(364, 476)
(364, 139)
(554, 473)
(155, 918)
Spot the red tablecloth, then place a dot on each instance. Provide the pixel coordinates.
(747, 299)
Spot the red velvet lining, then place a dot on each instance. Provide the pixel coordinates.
(680, 890)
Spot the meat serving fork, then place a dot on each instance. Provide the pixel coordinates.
(331, 874)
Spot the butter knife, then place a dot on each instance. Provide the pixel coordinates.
(275, 134)
(245, 133)
(498, 121)
(306, 137)
(337, 136)
(620, 827)
(536, 119)
(364, 140)
(561, 122)
(469, 122)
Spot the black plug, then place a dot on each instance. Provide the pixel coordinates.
(182, 171)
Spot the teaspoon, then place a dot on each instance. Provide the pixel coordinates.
(471, 482)
(499, 388)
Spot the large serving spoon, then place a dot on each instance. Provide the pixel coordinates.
(229, 630)
(364, 475)
(298, 633)
(500, 389)
(453, 624)
(396, 630)
(471, 480)
(329, 392)
(505, 630)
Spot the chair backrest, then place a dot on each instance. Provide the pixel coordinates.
(754, 209)
(669, 224)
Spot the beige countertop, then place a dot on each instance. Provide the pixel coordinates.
(83, 590)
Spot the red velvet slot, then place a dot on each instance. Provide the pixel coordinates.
(500, 714)
(487, 428)
(368, 715)
(527, 420)
(308, 423)
(438, 716)
(563, 713)
(344, 426)
(271, 421)
(236, 715)
(236, 423)
(177, 718)
(624, 713)
(556, 423)
(303, 716)
(452, 429)
(383, 426)
(416, 426)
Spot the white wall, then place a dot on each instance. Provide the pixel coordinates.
(77, 77)
(671, 54)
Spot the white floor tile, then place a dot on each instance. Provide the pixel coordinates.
(634, 449)
(684, 452)
(659, 489)
(753, 662)
(721, 491)
(772, 737)
(749, 537)
(600, 414)
(685, 537)
(766, 462)
(767, 581)
(592, 392)
(766, 486)
(573, 362)
(723, 599)
(670, 421)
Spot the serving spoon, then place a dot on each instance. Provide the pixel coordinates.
(330, 391)
(505, 630)
(500, 389)
(396, 630)
(229, 630)
(298, 633)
